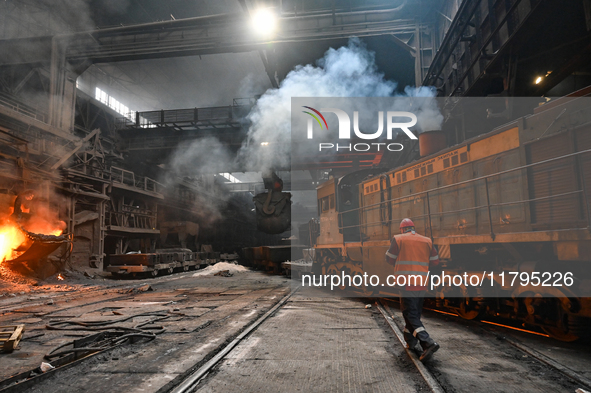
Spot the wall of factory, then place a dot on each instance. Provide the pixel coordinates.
(446, 14)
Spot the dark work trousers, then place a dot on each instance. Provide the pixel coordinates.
(411, 304)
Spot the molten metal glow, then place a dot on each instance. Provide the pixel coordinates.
(515, 328)
(13, 241)
(10, 239)
(442, 312)
(46, 228)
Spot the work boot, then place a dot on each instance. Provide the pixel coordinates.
(413, 345)
(428, 352)
(411, 340)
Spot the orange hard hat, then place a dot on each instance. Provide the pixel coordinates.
(407, 222)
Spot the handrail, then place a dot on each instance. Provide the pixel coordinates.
(140, 182)
(407, 198)
(22, 108)
(477, 178)
(470, 208)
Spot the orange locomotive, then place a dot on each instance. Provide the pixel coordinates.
(515, 200)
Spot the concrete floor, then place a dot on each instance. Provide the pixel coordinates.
(317, 344)
(472, 359)
(313, 343)
(205, 312)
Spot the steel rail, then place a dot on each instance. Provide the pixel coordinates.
(564, 370)
(429, 379)
(189, 383)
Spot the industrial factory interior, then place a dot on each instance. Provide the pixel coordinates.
(193, 196)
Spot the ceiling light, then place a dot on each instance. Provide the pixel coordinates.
(538, 80)
(263, 21)
(264, 143)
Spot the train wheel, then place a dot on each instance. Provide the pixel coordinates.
(466, 311)
(468, 307)
(560, 334)
(334, 270)
(553, 309)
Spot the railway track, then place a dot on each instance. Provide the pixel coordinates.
(429, 379)
(432, 381)
(189, 384)
(429, 373)
(532, 352)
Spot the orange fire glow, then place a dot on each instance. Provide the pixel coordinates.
(59, 277)
(10, 239)
(13, 241)
(40, 220)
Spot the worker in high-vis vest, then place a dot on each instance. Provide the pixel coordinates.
(411, 255)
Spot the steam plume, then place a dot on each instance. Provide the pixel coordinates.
(345, 72)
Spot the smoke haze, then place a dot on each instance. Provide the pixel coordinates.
(348, 71)
(344, 72)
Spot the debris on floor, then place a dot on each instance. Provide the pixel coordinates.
(232, 268)
(10, 336)
(143, 288)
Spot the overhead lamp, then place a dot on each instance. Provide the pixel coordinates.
(264, 21)
(539, 79)
(264, 143)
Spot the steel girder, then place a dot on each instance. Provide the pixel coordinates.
(202, 35)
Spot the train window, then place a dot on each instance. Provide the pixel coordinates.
(324, 204)
(454, 160)
(430, 168)
(367, 190)
(416, 173)
(398, 177)
(464, 157)
(403, 176)
(446, 163)
(423, 171)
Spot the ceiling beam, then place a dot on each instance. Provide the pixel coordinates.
(203, 35)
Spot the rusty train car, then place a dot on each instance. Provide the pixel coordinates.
(161, 261)
(516, 199)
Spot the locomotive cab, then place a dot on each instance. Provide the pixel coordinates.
(328, 215)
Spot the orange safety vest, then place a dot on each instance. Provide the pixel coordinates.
(413, 257)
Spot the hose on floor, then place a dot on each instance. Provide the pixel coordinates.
(112, 335)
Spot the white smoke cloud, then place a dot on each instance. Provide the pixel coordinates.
(348, 71)
(189, 162)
